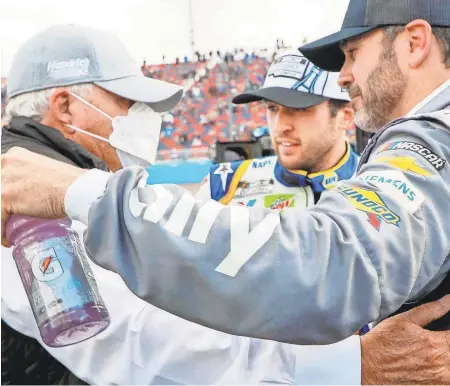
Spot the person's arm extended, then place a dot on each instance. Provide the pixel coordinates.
(306, 276)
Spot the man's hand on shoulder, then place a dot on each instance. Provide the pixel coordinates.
(34, 185)
(400, 351)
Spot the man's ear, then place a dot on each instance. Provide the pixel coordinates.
(59, 107)
(346, 118)
(419, 39)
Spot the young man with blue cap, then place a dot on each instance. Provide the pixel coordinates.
(308, 115)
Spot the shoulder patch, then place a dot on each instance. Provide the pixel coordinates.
(369, 202)
(279, 201)
(397, 185)
(405, 163)
(221, 176)
(437, 162)
(223, 170)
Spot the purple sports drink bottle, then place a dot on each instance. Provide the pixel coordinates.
(58, 280)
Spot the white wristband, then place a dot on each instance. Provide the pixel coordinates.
(84, 192)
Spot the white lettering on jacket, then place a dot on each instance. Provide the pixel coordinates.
(244, 243)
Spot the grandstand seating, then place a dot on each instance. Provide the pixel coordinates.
(206, 113)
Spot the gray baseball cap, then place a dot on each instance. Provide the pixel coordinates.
(66, 55)
(293, 81)
(366, 15)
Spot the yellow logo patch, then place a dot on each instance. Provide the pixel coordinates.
(371, 203)
(405, 163)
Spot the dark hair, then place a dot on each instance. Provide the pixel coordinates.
(442, 35)
(335, 105)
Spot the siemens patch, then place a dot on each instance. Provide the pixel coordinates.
(417, 148)
(397, 185)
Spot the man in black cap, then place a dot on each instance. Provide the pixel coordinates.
(395, 62)
(371, 245)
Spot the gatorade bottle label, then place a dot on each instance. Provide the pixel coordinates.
(62, 279)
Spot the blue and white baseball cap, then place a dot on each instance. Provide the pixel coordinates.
(66, 55)
(293, 81)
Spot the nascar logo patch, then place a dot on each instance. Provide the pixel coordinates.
(437, 162)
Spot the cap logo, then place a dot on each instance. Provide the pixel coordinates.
(289, 66)
(304, 74)
(68, 69)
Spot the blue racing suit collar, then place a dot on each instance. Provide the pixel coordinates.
(344, 170)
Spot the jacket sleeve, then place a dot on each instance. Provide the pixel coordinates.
(304, 276)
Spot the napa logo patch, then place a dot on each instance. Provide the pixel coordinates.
(259, 164)
(371, 203)
(329, 179)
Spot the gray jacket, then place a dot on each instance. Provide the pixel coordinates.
(309, 276)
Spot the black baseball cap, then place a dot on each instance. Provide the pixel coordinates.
(366, 15)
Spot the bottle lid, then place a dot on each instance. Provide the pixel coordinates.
(18, 224)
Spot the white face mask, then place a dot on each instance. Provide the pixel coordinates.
(135, 136)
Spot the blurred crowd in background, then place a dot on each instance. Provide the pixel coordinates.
(206, 114)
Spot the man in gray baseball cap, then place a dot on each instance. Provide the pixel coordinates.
(83, 82)
(75, 95)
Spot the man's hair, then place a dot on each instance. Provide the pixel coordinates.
(442, 35)
(35, 104)
(335, 105)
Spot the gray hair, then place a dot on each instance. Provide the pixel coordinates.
(442, 35)
(36, 103)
